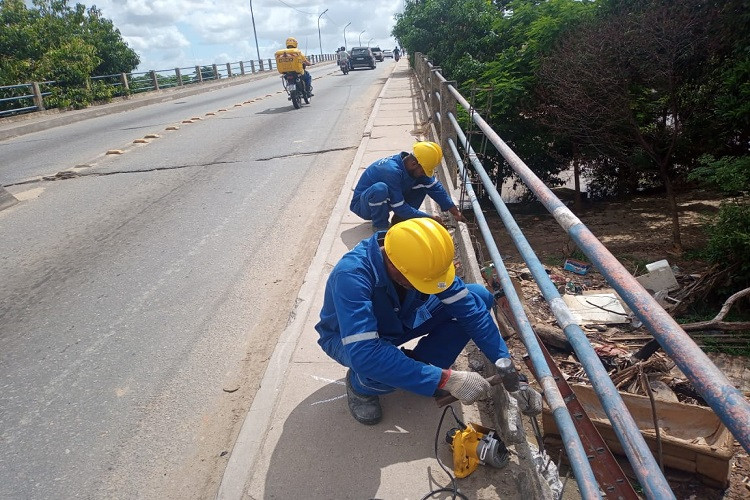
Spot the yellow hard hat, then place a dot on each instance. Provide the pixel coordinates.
(291, 43)
(422, 250)
(428, 154)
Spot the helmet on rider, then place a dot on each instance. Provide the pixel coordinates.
(428, 154)
(422, 250)
(291, 43)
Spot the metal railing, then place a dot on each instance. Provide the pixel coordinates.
(30, 97)
(729, 404)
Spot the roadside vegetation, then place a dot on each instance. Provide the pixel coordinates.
(638, 96)
(54, 41)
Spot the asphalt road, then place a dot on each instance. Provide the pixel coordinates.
(142, 294)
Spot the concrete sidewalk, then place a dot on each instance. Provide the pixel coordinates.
(298, 439)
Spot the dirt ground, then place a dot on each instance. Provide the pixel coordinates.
(636, 232)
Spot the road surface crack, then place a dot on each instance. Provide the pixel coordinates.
(70, 174)
(308, 153)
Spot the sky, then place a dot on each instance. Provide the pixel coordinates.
(184, 33)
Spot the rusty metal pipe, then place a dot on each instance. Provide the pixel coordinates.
(579, 462)
(627, 431)
(726, 400)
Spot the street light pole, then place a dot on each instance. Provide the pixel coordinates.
(319, 41)
(252, 16)
(360, 37)
(345, 35)
(368, 43)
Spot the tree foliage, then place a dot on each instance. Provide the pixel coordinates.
(53, 40)
(636, 91)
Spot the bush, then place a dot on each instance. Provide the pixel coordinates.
(729, 240)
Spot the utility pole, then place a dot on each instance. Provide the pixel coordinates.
(252, 16)
(345, 35)
(319, 41)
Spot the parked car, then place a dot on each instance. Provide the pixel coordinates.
(388, 53)
(377, 53)
(362, 56)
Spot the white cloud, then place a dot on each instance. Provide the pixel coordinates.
(169, 33)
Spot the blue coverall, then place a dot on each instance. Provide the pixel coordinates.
(386, 185)
(363, 320)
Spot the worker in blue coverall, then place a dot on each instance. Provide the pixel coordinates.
(397, 286)
(399, 183)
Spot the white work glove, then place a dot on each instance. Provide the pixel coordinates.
(529, 400)
(467, 387)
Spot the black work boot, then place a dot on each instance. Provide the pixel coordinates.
(364, 409)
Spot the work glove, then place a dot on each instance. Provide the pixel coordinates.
(467, 387)
(529, 400)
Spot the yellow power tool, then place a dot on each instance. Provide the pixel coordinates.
(474, 445)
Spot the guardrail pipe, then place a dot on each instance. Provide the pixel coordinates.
(579, 462)
(725, 399)
(640, 456)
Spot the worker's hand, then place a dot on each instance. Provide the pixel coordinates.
(467, 387)
(437, 219)
(457, 215)
(529, 400)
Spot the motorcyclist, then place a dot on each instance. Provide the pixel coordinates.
(396, 54)
(343, 55)
(291, 45)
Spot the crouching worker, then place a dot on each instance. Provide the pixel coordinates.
(399, 183)
(394, 287)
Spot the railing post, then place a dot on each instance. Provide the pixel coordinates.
(260, 64)
(242, 68)
(252, 66)
(270, 65)
(216, 72)
(198, 74)
(124, 81)
(154, 80)
(229, 70)
(446, 131)
(178, 74)
(38, 100)
(434, 91)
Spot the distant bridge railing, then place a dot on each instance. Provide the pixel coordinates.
(30, 97)
(443, 101)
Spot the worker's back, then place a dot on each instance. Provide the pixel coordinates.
(290, 60)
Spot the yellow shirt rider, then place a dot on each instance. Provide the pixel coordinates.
(292, 59)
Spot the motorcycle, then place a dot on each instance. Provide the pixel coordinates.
(295, 88)
(396, 56)
(344, 65)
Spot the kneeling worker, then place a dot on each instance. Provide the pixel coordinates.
(400, 183)
(394, 287)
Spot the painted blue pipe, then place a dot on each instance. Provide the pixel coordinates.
(725, 399)
(641, 459)
(579, 462)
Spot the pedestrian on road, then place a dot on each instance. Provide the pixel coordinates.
(400, 183)
(394, 287)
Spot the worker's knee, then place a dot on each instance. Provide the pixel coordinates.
(376, 194)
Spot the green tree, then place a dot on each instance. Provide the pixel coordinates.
(53, 41)
(635, 88)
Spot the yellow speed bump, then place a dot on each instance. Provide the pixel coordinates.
(173, 127)
(140, 141)
(152, 136)
(115, 152)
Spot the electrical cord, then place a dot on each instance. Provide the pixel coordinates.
(454, 487)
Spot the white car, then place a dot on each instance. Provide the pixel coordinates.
(388, 53)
